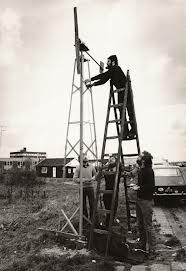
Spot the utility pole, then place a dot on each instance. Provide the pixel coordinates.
(2, 129)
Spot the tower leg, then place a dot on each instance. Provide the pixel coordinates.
(80, 146)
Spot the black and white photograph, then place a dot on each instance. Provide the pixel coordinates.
(92, 135)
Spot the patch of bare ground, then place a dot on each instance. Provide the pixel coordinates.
(171, 245)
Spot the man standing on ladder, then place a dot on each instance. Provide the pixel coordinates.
(117, 79)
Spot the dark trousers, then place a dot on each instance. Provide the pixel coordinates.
(129, 110)
(88, 193)
(126, 127)
(144, 213)
(107, 199)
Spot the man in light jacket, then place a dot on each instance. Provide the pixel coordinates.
(88, 176)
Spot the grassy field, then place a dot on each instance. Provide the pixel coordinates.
(24, 247)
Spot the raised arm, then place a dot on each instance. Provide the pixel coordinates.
(102, 78)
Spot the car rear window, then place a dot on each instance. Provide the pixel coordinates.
(173, 172)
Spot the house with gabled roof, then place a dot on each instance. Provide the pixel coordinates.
(53, 167)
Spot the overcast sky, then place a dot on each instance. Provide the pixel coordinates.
(36, 68)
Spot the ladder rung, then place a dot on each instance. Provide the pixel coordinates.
(119, 120)
(127, 139)
(130, 154)
(112, 137)
(108, 154)
(104, 211)
(101, 231)
(116, 105)
(129, 121)
(119, 90)
(132, 201)
(106, 191)
(113, 121)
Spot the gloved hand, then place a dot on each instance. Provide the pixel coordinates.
(89, 85)
(87, 81)
(135, 187)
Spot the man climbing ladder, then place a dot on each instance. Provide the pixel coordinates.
(118, 80)
(120, 137)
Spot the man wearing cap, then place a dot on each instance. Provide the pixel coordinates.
(117, 79)
(88, 175)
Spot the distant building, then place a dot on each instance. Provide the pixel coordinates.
(8, 163)
(25, 154)
(53, 168)
(18, 159)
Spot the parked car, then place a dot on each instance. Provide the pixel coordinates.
(170, 183)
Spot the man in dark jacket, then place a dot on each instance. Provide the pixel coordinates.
(144, 203)
(118, 80)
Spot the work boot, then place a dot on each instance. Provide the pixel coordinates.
(131, 133)
(125, 132)
(125, 137)
(140, 245)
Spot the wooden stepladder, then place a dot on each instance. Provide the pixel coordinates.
(121, 124)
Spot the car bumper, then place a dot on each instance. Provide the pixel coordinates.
(170, 196)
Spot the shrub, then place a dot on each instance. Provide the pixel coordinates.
(20, 177)
(2, 177)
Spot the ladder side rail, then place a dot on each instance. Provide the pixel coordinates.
(117, 125)
(127, 204)
(132, 100)
(138, 150)
(122, 161)
(99, 174)
(125, 180)
(117, 170)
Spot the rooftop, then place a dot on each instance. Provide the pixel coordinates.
(54, 161)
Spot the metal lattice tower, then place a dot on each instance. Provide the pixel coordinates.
(81, 132)
(81, 118)
(81, 129)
